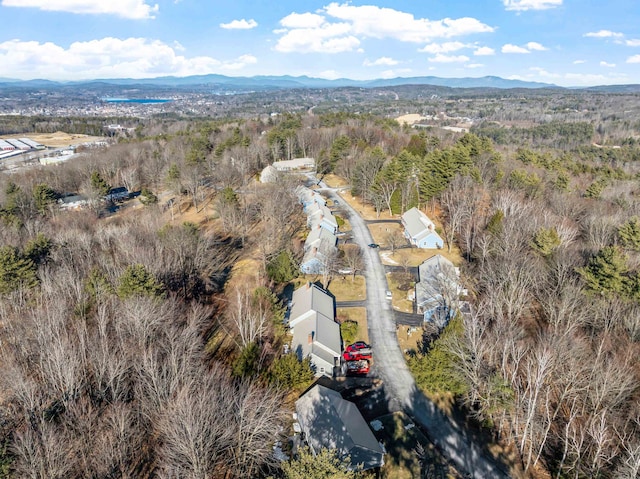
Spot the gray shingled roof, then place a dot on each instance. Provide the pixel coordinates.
(334, 423)
(416, 222)
(311, 297)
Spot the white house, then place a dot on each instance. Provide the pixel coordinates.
(315, 333)
(420, 230)
(295, 164)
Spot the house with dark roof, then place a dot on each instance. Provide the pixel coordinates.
(315, 332)
(420, 230)
(330, 422)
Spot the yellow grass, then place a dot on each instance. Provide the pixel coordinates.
(409, 338)
(346, 288)
(59, 139)
(381, 232)
(343, 289)
(409, 119)
(334, 181)
(400, 301)
(359, 315)
(368, 212)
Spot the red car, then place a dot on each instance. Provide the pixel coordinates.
(357, 346)
(356, 355)
(357, 351)
(358, 367)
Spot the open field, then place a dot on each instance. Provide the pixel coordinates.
(59, 139)
(409, 119)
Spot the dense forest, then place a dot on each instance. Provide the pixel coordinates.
(128, 350)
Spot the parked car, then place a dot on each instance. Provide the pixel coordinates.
(357, 355)
(374, 245)
(345, 271)
(389, 295)
(357, 367)
(358, 345)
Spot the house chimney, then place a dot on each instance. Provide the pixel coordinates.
(310, 338)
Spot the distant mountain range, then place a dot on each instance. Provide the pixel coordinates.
(267, 82)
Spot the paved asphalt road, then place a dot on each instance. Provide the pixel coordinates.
(392, 369)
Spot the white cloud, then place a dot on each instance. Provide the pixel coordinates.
(134, 9)
(375, 22)
(302, 20)
(523, 5)
(509, 48)
(241, 24)
(634, 42)
(328, 38)
(603, 34)
(474, 65)
(484, 51)
(536, 46)
(608, 65)
(440, 58)
(446, 47)
(386, 61)
(578, 62)
(343, 26)
(106, 58)
(634, 59)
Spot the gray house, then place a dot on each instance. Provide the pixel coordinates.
(315, 333)
(330, 422)
(420, 230)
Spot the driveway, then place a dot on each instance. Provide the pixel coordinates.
(391, 367)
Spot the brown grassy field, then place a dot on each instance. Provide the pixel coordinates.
(59, 139)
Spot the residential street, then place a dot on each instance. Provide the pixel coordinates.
(391, 367)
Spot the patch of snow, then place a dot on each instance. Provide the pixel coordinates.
(385, 256)
(278, 453)
(376, 425)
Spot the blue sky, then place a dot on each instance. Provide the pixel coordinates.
(566, 42)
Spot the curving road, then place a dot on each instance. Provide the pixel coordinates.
(400, 387)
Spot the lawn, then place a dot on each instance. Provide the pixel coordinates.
(334, 181)
(409, 338)
(359, 315)
(343, 287)
(368, 212)
(381, 232)
(348, 288)
(399, 301)
(406, 448)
